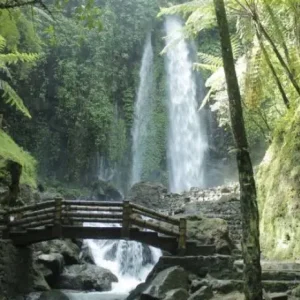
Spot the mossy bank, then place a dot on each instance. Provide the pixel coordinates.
(278, 181)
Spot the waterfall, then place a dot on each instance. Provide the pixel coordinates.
(187, 141)
(130, 261)
(142, 112)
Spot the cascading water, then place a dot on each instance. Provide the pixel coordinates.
(187, 141)
(130, 261)
(142, 112)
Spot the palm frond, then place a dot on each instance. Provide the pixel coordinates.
(12, 98)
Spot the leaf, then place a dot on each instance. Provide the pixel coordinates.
(12, 98)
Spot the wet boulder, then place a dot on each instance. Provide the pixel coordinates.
(105, 191)
(69, 250)
(160, 284)
(53, 295)
(86, 277)
(51, 265)
(148, 194)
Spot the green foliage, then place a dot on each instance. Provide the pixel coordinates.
(9, 94)
(82, 92)
(10, 150)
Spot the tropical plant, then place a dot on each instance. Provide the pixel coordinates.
(10, 96)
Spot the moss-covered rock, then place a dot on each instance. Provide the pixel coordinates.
(10, 151)
(278, 181)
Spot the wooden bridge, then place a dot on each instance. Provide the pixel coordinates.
(59, 218)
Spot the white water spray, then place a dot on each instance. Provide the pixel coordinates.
(142, 112)
(187, 141)
(130, 261)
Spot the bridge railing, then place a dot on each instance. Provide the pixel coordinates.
(60, 212)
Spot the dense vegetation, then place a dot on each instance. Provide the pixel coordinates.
(79, 87)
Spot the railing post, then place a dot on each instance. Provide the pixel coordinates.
(182, 237)
(6, 230)
(126, 220)
(57, 217)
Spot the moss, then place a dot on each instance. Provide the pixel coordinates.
(278, 183)
(10, 150)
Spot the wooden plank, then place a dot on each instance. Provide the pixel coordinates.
(182, 236)
(91, 215)
(94, 208)
(126, 220)
(113, 233)
(93, 220)
(148, 225)
(38, 212)
(29, 220)
(93, 203)
(36, 206)
(38, 224)
(154, 214)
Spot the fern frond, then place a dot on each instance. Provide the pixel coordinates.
(206, 99)
(13, 58)
(12, 98)
(210, 59)
(199, 67)
(253, 80)
(2, 43)
(4, 69)
(236, 46)
(43, 14)
(183, 9)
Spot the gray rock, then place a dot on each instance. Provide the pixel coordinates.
(148, 194)
(207, 231)
(167, 280)
(39, 282)
(86, 255)
(296, 291)
(69, 250)
(204, 293)
(86, 277)
(217, 266)
(28, 195)
(177, 294)
(197, 284)
(53, 295)
(16, 271)
(49, 195)
(210, 231)
(227, 286)
(102, 190)
(51, 265)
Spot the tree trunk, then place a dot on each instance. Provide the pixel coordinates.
(249, 210)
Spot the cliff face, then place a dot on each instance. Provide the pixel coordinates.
(279, 191)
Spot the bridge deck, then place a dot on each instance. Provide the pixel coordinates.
(61, 219)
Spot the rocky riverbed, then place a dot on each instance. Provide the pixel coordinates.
(213, 218)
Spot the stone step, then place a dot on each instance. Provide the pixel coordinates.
(219, 216)
(271, 265)
(281, 275)
(279, 286)
(228, 286)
